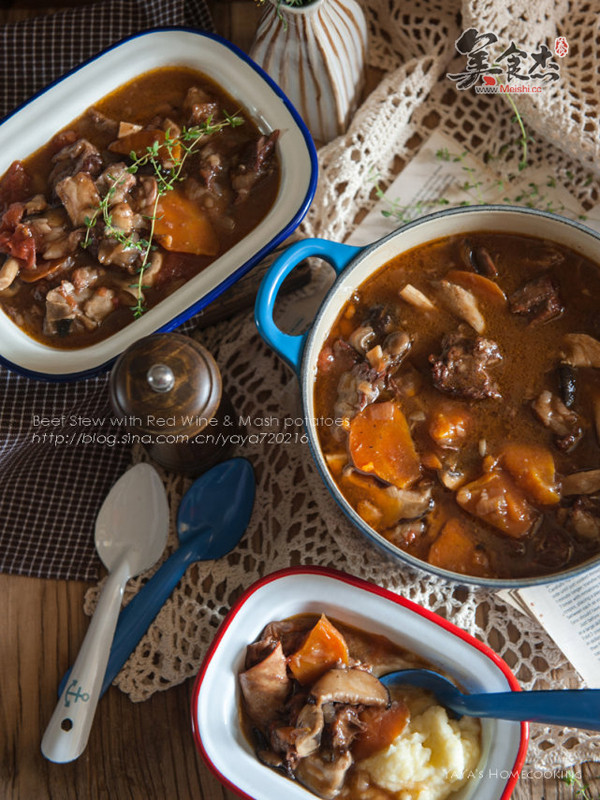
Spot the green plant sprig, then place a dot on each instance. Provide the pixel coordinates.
(534, 195)
(166, 178)
(580, 789)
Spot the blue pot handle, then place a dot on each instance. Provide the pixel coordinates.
(290, 347)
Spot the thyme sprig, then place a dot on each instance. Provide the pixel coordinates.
(532, 195)
(179, 148)
(580, 789)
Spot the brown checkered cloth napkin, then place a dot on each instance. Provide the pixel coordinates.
(51, 483)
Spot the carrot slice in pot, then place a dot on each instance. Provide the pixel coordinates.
(478, 284)
(532, 469)
(380, 444)
(455, 549)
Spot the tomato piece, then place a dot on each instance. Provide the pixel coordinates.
(382, 727)
(184, 227)
(380, 444)
(323, 648)
(478, 284)
(495, 499)
(456, 550)
(532, 468)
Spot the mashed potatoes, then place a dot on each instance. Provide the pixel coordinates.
(433, 757)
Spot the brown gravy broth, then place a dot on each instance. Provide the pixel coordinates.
(531, 353)
(146, 101)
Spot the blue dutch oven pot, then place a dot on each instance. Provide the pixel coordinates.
(353, 266)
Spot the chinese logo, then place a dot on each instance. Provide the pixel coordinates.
(509, 70)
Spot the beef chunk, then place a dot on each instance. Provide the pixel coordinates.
(538, 299)
(80, 156)
(343, 728)
(256, 161)
(462, 368)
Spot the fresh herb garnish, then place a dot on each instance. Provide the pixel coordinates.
(178, 149)
(580, 789)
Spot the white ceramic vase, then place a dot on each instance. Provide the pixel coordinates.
(316, 53)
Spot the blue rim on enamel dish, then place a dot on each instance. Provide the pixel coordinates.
(238, 273)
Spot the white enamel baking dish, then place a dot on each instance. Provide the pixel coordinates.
(33, 124)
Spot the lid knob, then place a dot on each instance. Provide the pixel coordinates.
(161, 378)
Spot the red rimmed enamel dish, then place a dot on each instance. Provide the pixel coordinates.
(216, 699)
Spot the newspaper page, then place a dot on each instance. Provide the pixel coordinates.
(568, 610)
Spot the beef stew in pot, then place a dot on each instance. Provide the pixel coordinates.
(464, 381)
(118, 210)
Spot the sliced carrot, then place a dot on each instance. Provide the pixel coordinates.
(478, 284)
(183, 227)
(382, 727)
(380, 443)
(140, 142)
(532, 468)
(323, 648)
(42, 269)
(431, 461)
(456, 550)
(495, 499)
(449, 425)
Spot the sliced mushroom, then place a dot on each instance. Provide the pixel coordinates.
(462, 302)
(581, 350)
(352, 686)
(411, 503)
(266, 686)
(416, 298)
(36, 204)
(8, 272)
(482, 262)
(584, 482)
(309, 727)
(324, 778)
(553, 413)
(361, 337)
(397, 344)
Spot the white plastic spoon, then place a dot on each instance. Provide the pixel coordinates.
(131, 534)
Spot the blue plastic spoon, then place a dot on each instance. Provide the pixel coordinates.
(212, 517)
(577, 708)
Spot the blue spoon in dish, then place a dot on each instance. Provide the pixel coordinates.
(577, 708)
(212, 517)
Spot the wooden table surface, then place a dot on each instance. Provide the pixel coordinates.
(139, 751)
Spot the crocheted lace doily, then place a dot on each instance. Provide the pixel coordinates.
(295, 519)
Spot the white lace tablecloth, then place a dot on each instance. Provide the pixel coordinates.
(295, 520)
